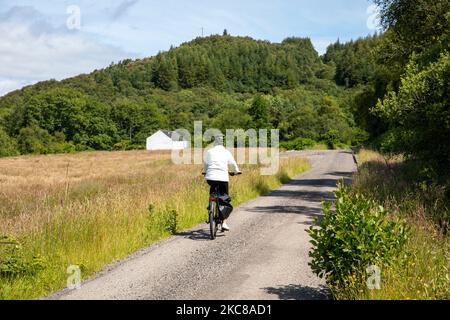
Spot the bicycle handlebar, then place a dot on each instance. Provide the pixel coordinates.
(230, 173)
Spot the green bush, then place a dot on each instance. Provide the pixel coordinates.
(8, 146)
(298, 144)
(331, 138)
(170, 221)
(14, 263)
(160, 221)
(359, 137)
(357, 234)
(122, 145)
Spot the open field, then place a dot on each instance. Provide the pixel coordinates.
(89, 209)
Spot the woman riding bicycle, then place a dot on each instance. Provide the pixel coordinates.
(216, 163)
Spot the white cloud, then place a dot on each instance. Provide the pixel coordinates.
(10, 85)
(31, 50)
(321, 44)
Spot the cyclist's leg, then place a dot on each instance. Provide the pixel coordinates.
(223, 187)
(213, 185)
(223, 190)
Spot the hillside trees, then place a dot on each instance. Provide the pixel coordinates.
(400, 80)
(225, 81)
(8, 145)
(259, 111)
(418, 110)
(414, 27)
(419, 113)
(135, 118)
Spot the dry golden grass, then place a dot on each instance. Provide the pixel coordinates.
(34, 186)
(365, 155)
(91, 208)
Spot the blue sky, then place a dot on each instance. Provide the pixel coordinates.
(37, 44)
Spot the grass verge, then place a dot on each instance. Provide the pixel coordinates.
(420, 270)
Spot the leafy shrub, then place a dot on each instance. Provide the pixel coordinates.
(170, 221)
(298, 144)
(160, 221)
(7, 145)
(122, 145)
(34, 140)
(359, 137)
(14, 263)
(356, 235)
(38, 141)
(331, 138)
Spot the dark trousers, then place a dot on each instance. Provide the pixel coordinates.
(222, 187)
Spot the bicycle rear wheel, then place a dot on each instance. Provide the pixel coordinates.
(212, 220)
(216, 219)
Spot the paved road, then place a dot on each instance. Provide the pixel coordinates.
(265, 256)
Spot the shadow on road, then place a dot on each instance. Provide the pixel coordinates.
(198, 234)
(314, 182)
(314, 196)
(298, 292)
(317, 183)
(305, 210)
(341, 174)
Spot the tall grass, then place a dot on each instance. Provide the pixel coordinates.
(422, 270)
(90, 209)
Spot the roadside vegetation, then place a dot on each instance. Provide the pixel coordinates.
(91, 208)
(389, 218)
(422, 270)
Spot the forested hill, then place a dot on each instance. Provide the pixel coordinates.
(225, 63)
(225, 81)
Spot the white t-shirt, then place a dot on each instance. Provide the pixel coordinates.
(216, 163)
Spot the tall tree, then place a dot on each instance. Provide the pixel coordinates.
(259, 111)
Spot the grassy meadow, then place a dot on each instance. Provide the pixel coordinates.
(89, 209)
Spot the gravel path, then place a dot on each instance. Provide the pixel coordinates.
(265, 256)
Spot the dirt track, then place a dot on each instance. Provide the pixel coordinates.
(265, 256)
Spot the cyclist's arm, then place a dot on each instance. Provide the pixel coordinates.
(206, 162)
(233, 163)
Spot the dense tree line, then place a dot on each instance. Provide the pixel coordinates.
(400, 81)
(228, 82)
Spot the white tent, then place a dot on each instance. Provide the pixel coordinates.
(166, 140)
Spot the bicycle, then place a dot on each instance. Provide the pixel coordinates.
(214, 219)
